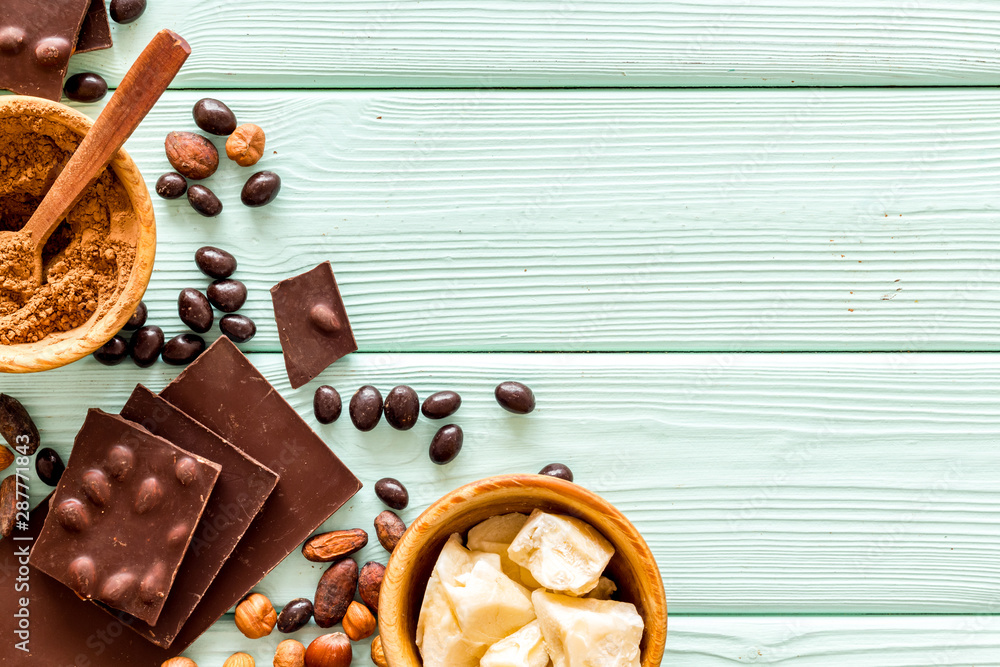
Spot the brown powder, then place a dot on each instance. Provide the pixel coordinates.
(86, 262)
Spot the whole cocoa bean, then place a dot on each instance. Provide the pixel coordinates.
(191, 155)
(329, 547)
(8, 505)
(16, 426)
(370, 584)
(389, 529)
(335, 593)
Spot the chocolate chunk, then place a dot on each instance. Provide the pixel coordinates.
(183, 349)
(138, 318)
(402, 407)
(442, 404)
(49, 466)
(312, 323)
(227, 295)
(36, 41)
(113, 352)
(171, 185)
(227, 394)
(327, 404)
(238, 328)
(235, 502)
(366, 408)
(120, 515)
(95, 33)
(86, 87)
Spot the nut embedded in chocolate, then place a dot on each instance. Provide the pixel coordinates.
(36, 41)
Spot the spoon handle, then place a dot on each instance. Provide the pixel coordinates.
(142, 86)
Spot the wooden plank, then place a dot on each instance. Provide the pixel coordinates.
(551, 43)
(613, 220)
(723, 641)
(779, 484)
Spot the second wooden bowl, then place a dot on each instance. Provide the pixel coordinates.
(633, 567)
(63, 348)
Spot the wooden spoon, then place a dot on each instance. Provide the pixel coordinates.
(142, 86)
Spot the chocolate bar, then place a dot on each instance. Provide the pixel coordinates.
(239, 494)
(123, 516)
(312, 323)
(36, 41)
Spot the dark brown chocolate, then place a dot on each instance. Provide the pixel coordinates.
(239, 494)
(95, 33)
(224, 391)
(123, 515)
(312, 323)
(36, 41)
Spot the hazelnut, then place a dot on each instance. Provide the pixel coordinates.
(239, 660)
(255, 616)
(245, 146)
(290, 653)
(179, 662)
(378, 653)
(191, 154)
(333, 650)
(358, 622)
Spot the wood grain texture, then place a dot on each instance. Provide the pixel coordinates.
(763, 483)
(613, 220)
(549, 43)
(725, 641)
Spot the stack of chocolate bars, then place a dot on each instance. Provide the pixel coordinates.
(38, 38)
(166, 517)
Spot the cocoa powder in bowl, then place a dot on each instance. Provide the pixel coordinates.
(87, 261)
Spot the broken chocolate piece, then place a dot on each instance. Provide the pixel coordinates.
(224, 391)
(36, 41)
(95, 33)
(123, 515)
(312, 323)
(236, 500)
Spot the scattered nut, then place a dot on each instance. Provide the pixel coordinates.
(179, 662)
(389, 528)
(329, 547)
(255, 616)
(6, 457)
(191, 154)
(378, 653)
(335, 593)
(370, 584)
(239, 660)
(359, 622)
(16, 425)
(245, 146)
(333, 650)
(290, 653)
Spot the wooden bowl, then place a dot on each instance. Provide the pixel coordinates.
(633, 567)
(59, 349)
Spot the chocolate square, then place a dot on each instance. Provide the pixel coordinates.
(95, 33)
(312, 323)
(123, 515)
(239, 494)
(36, 41)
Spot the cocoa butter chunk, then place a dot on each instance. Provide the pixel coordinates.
(16, 426)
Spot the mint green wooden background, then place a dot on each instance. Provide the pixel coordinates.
(641, 180)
